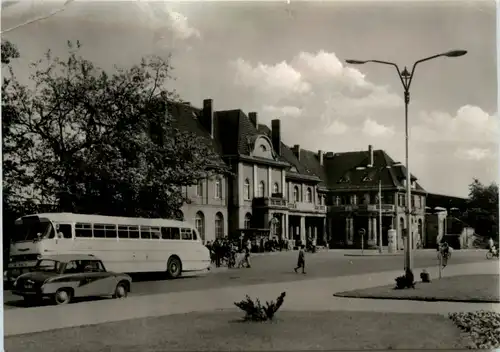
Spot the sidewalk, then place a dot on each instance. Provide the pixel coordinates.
(314, 294)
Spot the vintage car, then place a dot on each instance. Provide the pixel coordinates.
(63, 277)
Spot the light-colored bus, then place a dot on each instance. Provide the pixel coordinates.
(130, 245)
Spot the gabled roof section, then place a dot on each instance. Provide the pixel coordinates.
(310, 161)
(350, 171)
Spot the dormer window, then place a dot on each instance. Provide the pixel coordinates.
(354, 199)
(413, 184)
(338, 200)
(263, 148)
(345, 179)
(367, 178)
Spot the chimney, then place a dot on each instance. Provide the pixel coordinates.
(207, 119)
(320, 157)
(296, 151)
(253, 118)
(276, 135)
(370, 151)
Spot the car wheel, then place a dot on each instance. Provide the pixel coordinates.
(120, 291)
(489, 255)
(174, 267)
(63, 296)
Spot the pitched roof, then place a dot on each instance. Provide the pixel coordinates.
(186, 118)
(349, 170)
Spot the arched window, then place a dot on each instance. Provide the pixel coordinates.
(276, 188)
(218, 188)
(262, 187)
(420, 228)
(246, 189)
(263, 148)
(248, 221)
(219, 225)
(309, 195)
(296, 194)
(199, 188)
(199, 222)
(367, 198)
(402, 223)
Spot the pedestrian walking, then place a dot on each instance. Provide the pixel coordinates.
(301, 261)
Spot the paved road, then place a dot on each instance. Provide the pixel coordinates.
(278, 267)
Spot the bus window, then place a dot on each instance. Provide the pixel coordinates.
(155, 233)
(170, 233)
(133, 232)
(186, 234)
(64, 231)
(145, 232)
(110, 231)
(99, 231)
(83, 230)
(122, 232)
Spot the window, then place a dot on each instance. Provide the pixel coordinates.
(261, 190)
(83, 230)
(276, 188)
(99, 231)
(218, 189)
(248, 221)
(401, 200)
(186, 234)
(199, 189)
(133, 232)
(246, 189)
(199, 222)
(323, 200)
(155, 233)
(145, 232)
(296, 194)
(122, 232)
(354, 199)
(338, 200)
(63, 231)
(309, 195)
(219, 225)
(366, 198)
(110, 231)
(170, 233)
(417, 202)
(263, 148)
(90, 266)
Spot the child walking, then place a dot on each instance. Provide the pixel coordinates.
(301, 261)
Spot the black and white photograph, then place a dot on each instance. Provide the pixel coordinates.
(285, 175)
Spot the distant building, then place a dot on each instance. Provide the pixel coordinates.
(292, 193)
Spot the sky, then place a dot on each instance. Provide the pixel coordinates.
(286, 60)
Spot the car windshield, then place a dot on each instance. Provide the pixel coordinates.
(49, 265)
(33, 230)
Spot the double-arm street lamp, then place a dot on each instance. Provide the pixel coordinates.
(406, 79)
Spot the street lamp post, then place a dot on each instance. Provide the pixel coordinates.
(406, 79)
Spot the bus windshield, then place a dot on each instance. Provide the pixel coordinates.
(33, 230)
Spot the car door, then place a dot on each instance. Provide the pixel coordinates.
(91, 279)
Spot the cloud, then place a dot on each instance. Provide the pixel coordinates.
(329, 95)
(336, 128)
(279, 111)
(168, 25)
(373, 129)
(474, 154)
(469, 124)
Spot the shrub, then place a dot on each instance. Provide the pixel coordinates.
(424, 275)
(257, 312)
(482, 326)
(405, 281)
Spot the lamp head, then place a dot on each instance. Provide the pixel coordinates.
(455, 53)
(355, 62)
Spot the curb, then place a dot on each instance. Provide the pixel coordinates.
(374, 255)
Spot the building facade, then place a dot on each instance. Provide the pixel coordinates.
(293, 193)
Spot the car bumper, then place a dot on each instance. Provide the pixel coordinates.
(27, 293)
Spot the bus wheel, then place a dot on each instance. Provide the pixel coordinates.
(63, 296)
(174, 267)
